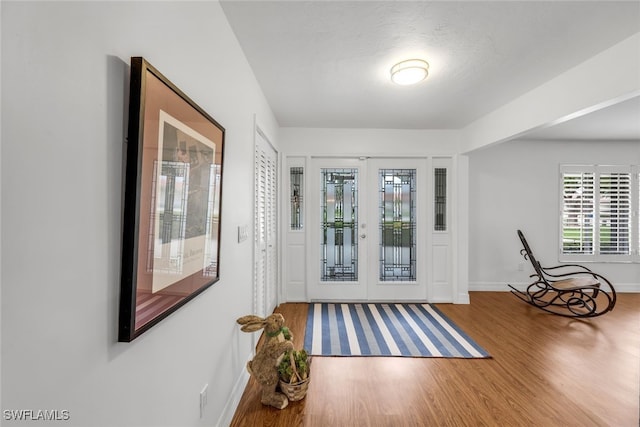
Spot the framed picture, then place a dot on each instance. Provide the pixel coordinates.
(172, 201)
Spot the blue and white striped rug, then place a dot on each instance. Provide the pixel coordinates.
(411, 330)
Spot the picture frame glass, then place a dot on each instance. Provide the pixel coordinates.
(178, 183)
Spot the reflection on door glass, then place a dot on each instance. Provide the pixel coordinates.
(397, 188)
(339, 225)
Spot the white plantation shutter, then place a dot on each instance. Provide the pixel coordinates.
(597, 213)
(615, 213)
(577, 212)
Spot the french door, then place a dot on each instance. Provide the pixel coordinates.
(366, 223)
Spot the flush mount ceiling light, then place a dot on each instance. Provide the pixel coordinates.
(409, 72)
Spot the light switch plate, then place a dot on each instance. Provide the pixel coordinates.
(243, 233)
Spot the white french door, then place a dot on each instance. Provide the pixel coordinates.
(366, 223)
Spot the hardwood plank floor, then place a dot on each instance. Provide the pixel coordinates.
(546, 370)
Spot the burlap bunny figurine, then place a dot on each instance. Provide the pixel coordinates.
(264, 366)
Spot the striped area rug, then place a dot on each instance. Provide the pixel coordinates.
(410, 330)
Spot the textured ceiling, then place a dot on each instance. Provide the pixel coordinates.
(326, 63)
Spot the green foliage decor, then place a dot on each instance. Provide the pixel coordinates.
(293, 374)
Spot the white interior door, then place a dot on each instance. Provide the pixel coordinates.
(366, 221)
(265, 227)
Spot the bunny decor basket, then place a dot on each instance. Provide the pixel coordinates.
(295, 391)
(294, 374)
(264, 366)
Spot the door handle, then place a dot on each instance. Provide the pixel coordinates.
(362, 236)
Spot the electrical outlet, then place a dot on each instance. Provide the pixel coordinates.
(203, 399)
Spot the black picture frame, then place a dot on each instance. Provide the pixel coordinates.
(172, 201)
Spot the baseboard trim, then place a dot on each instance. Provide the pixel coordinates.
(234, 399)
(463, 298)
(503, 287)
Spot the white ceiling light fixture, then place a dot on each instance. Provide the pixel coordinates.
(409, 72)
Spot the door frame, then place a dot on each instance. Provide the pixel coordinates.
(296, 244)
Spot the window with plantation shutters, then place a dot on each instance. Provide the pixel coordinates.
(599, 213)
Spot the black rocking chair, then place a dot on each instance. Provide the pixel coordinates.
(570, 290)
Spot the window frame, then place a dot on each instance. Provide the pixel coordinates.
(634, 220)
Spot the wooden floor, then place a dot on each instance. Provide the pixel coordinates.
(546, 370)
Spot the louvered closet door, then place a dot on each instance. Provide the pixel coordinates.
(265, 227)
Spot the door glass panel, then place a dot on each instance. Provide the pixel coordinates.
(397, 188)
(339, 222)
(296, 175)
(440, 199)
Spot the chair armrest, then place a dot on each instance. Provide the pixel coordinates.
(582, 268)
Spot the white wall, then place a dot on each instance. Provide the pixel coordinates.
(514, 186)
(64, 84)
(383, 142)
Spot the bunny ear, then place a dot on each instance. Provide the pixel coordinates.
(251, 323)
(252, 327)
(249, 319)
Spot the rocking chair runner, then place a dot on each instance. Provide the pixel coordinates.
(576, 293)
